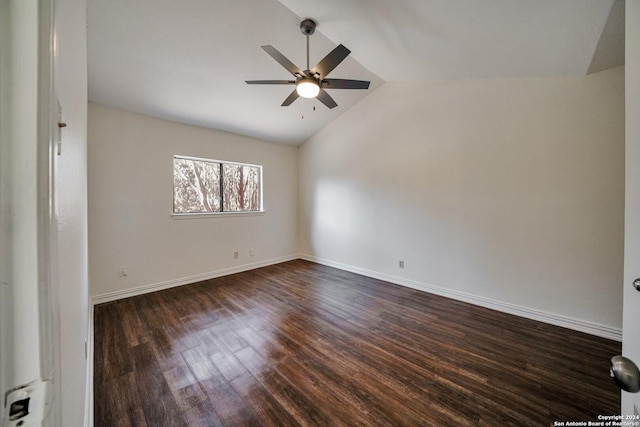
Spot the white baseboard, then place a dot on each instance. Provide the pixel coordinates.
(139, 290)
(526, 312)
(529, 313)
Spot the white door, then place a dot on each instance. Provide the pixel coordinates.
(631, 308)
(27, 279)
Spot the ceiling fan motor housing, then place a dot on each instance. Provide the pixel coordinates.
(308, 26)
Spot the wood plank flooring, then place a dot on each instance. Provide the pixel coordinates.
(300, 344)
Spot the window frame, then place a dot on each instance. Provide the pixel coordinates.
(185, 215)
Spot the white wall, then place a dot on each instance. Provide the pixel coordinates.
(71, 190)
(131, 196)
(510, 190)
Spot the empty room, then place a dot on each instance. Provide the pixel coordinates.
(442, 247)
(286, 212)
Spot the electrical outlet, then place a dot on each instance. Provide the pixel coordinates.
(401, 264)
(236, 255)
(252, 252)
(122, 271)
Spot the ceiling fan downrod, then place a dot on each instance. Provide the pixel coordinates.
(308, 27)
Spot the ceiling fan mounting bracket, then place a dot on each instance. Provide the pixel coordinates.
(308, 26)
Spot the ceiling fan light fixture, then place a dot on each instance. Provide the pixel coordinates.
(307, 88)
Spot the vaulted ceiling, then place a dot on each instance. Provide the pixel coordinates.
(187, 60)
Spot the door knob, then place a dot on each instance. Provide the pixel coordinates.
(636, 284)
(625, 373)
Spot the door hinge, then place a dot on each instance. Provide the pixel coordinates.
(61, 125)
(26, 405)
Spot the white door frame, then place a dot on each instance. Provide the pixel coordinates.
(631, 307)
(28, 298)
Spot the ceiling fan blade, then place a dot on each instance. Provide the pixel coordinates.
(282, 60)
(331, 61)
(326, 99)
(292, 97)
(345, 84)
(270, 82)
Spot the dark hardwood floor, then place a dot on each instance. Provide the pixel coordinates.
(303, 344)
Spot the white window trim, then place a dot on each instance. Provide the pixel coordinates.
(202, 215)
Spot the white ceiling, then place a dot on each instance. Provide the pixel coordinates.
(187, 60)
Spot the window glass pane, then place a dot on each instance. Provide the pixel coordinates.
(241, 187)
(196, 186)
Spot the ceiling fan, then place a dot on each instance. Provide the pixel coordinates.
(312, 82)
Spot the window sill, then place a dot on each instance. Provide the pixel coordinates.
(215, 214)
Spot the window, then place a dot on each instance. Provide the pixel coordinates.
(203, 186)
